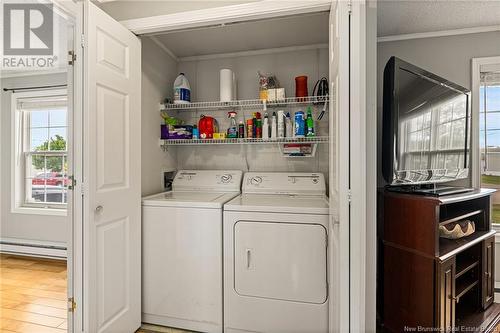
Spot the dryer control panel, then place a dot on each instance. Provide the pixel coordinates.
(296, 183)
(208, 180)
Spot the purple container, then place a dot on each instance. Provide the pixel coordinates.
(180, 132)
(164, 132)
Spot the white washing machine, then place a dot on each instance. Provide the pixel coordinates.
(275, 255)
(182, 250)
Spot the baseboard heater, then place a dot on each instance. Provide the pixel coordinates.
(30, 249)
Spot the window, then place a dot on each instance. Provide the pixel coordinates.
(489, 131)
(41, 139)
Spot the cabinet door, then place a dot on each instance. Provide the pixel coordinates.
(446, 295)
(488, 293)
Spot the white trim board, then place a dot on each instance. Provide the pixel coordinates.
(441, 33)
(476, 82)
(254, 52)
(224, 15)
(33, 248)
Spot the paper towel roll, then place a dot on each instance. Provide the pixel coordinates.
(227, 84)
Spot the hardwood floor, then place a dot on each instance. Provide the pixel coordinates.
(32, 295)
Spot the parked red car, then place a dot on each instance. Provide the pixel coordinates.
(50, 178)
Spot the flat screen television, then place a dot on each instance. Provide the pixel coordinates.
(426, 127)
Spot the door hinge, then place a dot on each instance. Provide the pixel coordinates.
(72, 184)
(349, 195)
(82, 41)
(71, 58)
(83, 189)
(349, 7)
(71, 304)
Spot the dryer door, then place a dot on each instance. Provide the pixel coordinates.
(283, 261)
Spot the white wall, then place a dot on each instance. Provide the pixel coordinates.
(52, 229)
(158, 74)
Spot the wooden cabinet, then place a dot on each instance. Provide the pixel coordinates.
(446, 295)
(488, 269)
(433, 283)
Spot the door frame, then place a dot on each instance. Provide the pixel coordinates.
(71, 10)
(357, 200)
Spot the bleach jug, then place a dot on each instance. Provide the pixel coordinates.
(182, 90)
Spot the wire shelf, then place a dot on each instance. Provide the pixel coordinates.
(240, 104)
(242, 141)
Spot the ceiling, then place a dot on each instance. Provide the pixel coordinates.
(407, 17)
(290, 31)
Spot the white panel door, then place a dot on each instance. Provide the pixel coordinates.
(339, 37)
(282, 261)
(112, 176)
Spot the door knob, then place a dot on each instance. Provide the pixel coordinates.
(98, 209)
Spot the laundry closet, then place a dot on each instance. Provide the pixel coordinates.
(283, 47)
(283, 41)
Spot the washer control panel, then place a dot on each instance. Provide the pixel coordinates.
(284, 183)
(207, 180)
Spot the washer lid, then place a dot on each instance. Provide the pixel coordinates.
(189, 199)
(275, 203)
(298, 183)
(208, 180)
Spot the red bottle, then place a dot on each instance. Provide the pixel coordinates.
(301, 86)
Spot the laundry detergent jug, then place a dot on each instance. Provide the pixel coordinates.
(207, 126)
(182, 90)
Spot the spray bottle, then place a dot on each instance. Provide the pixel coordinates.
(232, 131)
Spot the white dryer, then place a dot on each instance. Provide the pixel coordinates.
(275, 255)
(182, 250)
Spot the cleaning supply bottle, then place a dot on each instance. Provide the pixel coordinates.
(281, 124)
(182, 90)
(241, 129)
(258, 125)
(265, 127)
(196, 133)
(288, 126)
(309, 122)
(273, 126)
(232, 131)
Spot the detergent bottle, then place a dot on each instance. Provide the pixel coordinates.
(182, 90)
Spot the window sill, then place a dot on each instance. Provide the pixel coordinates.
(40, 211)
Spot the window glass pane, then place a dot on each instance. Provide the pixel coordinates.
(58, 118)
(39, 119)
(47, 176)
(492, 121)
(57, 138)
(39, 139)
(492, 98)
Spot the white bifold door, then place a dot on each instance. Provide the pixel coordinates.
(112, 162)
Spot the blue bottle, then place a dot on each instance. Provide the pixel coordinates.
(300, 125)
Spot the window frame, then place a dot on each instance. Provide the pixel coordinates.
(20, 136)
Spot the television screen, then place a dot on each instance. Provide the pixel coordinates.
(428, 120)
